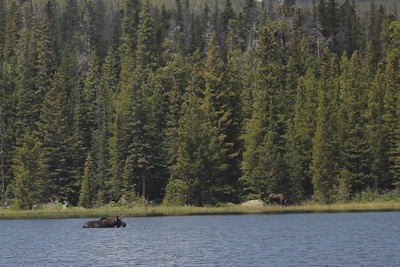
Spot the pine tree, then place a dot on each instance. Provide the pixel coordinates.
(28, 167)
(353, 143)
(234, 130)
(218, 108)
(46, 60)
(90, 106)
(146, 44)
(175, 78)
(327, 12)
(121, 124)
(376, 132)
(27, 104)
(391, 118)
(70, 21)
(105, 110)
(197, 145)
(145, 137)
(350, 27)
(300, 135)
(58, 142)
(130, 22)
(3, 17)
(227, 14)
(250, 17)
(263, 158)
(8, 95)
(88, 188)
(324, 157)
(129, 182)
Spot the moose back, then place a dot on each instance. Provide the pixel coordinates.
(106, 223)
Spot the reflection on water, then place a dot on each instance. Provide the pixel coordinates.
(340, 239)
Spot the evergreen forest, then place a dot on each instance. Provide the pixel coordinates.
(198, 102)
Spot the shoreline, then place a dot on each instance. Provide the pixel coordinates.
(151, 211)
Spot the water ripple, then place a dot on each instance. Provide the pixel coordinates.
(341, 239)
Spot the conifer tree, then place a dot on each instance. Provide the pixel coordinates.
(350, 27)
(3, 17)
(104, 102)
(234, 89)
(391, 118)
(87, 195)
(250, 16)
(353, 143)
(70, 21)
(263, 158)
(376, 133)
(27, 110)
(58, 142)
(324, 157)
(8, 95)
(218, 109)
(121, 124)
(90, 105)
(227, 14)
(195, 164)
(28, 167)
(46, 60)
(130, 22)
(129, 182)
(146, 45)
(300, 135)
(146, 137)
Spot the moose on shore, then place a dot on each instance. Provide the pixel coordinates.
(275, 198)
(106, 223)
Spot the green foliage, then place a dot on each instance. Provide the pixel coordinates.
(197, 101)
(88, 187)
(176, 193)
(57, 141)
(28, 165)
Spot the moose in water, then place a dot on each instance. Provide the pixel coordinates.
(276, 198)
(106, 222)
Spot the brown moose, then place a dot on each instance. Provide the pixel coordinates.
(277, 198)
(106, 222)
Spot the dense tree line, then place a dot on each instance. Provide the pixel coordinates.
(197, 105)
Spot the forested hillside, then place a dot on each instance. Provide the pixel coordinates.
(197, 102)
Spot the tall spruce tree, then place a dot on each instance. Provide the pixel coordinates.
(8, 97)
(45, 61)
(27, 110)
(263, 158)
(130, 22)
(58, 142)
(90, 105)
(300, 136)
(218, 110)
(353, 83)
(121, 124)
(391, 118)
(104, 102)
(324, 157)
(195, 164)
(376, 133)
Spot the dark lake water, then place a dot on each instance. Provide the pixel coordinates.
(336, 239)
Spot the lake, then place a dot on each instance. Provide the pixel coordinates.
(321, 239)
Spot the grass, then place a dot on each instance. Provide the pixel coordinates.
(76, 212)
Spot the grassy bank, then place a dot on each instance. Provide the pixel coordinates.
(74, 212)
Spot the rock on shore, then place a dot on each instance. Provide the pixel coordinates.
(253, 203)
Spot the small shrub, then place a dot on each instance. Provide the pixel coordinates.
(175, 193)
